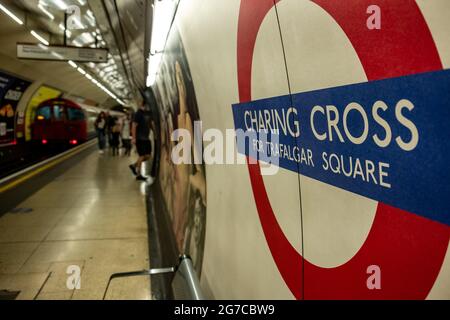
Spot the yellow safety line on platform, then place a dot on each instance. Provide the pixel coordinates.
(49, 165)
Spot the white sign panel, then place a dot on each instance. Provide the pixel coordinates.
(57, 53)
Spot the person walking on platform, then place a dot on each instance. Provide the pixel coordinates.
(126, 134)
(100, 126)
(141, 138)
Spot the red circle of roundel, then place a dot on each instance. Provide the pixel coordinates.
(409, 249)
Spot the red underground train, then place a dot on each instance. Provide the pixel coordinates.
(62, 121)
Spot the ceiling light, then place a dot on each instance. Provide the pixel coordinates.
(153, 67)
(77, 43)
(10, 14)
(40, 6)
(90, 14)
(87, 37)
(39, 37)
(60, 4)
(162, 16)
(68, 32)
(40, 45)
(73, 64)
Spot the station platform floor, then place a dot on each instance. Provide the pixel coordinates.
(92, 219)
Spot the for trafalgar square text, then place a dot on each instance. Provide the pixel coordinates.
(293, 137)
(274, 136)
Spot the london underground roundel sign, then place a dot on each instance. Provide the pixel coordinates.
(410, 247)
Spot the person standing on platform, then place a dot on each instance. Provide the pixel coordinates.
(141, 138)
(115, 139)
(100, 126)
(109, 126)
(126, 134)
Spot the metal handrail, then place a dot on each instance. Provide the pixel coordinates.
(187, 272)
(185, 269)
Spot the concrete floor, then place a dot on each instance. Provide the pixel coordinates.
(92, 218)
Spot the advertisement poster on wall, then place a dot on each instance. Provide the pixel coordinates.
(183, 187)
(11, 91)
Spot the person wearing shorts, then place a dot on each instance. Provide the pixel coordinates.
(141, 138)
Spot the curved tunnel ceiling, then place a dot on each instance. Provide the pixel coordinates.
(118, 25)
(129, 21)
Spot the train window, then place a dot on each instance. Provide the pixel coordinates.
(75, 114)
(58, 112)
(44, 113)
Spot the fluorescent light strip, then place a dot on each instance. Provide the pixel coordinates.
(80, 70)
(90, 14)
(60, 4)
(68, 32)
(162, 17)
(77, 43)
(40, 45)
(40, 6)
(73, 64)
(10, 14)
(101, 86)
(87, 37)
(39, 37)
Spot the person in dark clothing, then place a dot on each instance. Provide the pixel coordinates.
(141, 138)
(115, 137)
(110, 122)
(100, 126)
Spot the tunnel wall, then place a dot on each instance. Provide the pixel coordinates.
(291, 236)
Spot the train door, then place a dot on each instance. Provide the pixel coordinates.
(59, 123)
(77, 130)
(42, 126)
